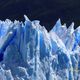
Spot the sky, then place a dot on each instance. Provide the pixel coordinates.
(47, 11)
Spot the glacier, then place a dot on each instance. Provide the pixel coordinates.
(29, 52)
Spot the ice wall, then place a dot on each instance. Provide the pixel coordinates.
(29, 52)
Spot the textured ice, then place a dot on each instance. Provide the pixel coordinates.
(29, 52)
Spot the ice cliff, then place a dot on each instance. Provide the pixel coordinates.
(29, 52)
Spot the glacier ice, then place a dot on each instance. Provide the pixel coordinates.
(29, 52)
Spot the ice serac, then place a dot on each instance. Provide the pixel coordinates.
(77, 34)
(69, 37)
(29, 52)
(59, 29)
(57, 26)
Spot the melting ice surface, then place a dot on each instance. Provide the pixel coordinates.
(29, 52)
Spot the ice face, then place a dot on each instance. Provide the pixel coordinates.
(29, 52)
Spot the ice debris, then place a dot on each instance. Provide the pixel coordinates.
(29, 52)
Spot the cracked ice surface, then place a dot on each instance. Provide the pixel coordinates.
(29, 52)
